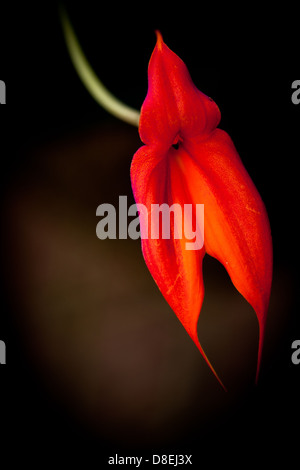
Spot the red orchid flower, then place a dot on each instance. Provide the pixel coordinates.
(186, 159)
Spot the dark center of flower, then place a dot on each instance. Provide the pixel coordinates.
(176, 142)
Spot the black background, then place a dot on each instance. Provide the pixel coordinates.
(246, 69)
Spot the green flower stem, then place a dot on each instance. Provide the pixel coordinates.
(96, 88)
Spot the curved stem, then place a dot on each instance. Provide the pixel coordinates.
(87, 75)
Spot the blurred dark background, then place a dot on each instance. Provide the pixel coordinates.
(97, 363)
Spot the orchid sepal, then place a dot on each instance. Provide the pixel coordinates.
(202, 168)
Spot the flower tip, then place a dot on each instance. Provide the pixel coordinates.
(159, 39)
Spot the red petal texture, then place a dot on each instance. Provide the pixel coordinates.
(173, 104)
(157, 179)
(204, 169)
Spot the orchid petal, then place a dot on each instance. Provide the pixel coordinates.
(202, 168)
(173, 104)
(176, 270)
(237, 230)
